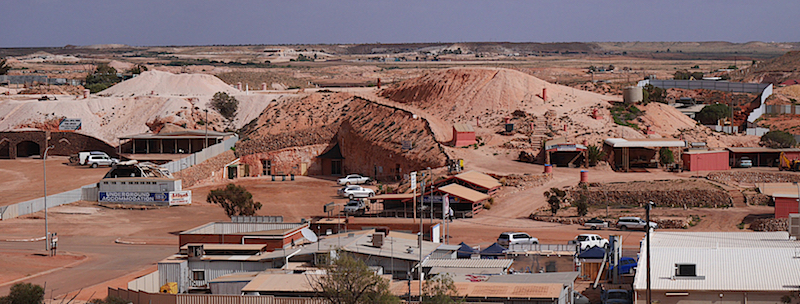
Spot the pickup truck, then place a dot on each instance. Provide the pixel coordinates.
(595, 223)
(355, 206)
(353, 179)
(587, 241)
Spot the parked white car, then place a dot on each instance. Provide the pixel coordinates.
(355, 191)
(513, 238)
(100, 160)
(627, 223)
(355, 206)
(353, 179)
(587, 241)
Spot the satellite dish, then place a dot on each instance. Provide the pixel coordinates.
(309, 235)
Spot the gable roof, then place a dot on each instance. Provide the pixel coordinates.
(495, 249)
(334, 153)
(464, 192)
(479, 179)
(463, 128)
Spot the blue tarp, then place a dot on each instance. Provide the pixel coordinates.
(492, 251)
(465, 251)
(593, 253)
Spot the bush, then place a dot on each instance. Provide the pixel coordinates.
(236, 200)
(581, 205)
(595, 154)
(225, 104)
(102, 78)
(778, 139)
(709, 115)
(666, 156)
(24, 293)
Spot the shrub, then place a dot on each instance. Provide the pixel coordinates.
(236, 200)
(778, 139)
(709, 115)
(666, 156)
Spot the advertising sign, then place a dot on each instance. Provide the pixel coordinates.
(70, 124)
(133, 197)
(180, 198)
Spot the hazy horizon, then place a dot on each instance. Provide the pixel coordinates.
(49, 23)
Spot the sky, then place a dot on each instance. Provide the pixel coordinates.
(55, 23)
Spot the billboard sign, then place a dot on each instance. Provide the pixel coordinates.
(180, 198)
(133, 197)
(70, 124)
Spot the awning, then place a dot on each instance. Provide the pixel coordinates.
(644, 142)
(333, 153)
(464, 193)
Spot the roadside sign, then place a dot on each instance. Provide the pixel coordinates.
(413, 180)
(406, 145)
(70, 124)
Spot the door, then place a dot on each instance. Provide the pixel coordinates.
(336, 167)
(232, 171)
(303, 169)
(267, 167)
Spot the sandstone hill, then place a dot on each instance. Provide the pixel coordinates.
(165, 83)
(775, 71)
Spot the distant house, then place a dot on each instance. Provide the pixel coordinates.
(169, 143)
(463, 135)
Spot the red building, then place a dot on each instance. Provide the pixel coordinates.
(784, 204)
(463, 135)
(706, 160)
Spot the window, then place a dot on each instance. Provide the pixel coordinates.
(199, 275)
(685, 270)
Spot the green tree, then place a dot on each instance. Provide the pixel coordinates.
(555, 204)
(4, 67)
(440, 290)
(236, 200)
(137, 69)
(665, 156)
(226, 105)
(582, 205)
(654, 93)
(595, 154)
(710, 114)
(778, 139)
(348, 280)
(555, 197)
(103, 77)
(24, 293)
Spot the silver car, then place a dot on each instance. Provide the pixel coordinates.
(100, 160)
(355, 191)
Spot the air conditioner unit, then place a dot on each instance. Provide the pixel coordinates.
(195, 252)
(794, 225)
(685, 270)
(377, 239)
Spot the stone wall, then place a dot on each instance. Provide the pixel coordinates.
(211, 170)
(751, 177)
(64, 143)
(287, 161)
(662, 198)
(770, 224)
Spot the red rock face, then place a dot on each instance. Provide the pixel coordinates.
(370, 137)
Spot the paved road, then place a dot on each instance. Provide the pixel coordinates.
(106, 261)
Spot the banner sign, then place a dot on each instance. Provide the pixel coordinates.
(70, 124)
(180, 198)
(133, 197)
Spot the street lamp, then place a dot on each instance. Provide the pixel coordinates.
(46, 228)
(647, 208)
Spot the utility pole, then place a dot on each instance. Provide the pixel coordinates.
(431, 175)
(44, 170)
(647, 225)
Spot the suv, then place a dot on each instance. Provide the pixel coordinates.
(513, 238)
(616, 296)
(626, 223)
(354, 191)
(100, 160)
(355, 206)
(587, 241)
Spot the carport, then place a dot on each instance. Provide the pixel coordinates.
(761, 156)
(562, 153)
(624, 154)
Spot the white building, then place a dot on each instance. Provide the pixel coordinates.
(717, 267)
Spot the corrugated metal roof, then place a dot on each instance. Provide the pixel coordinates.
(704, 151)
(464, 192)
(772, 189)
(538, 278)
(644, 142)
(235, 277)
(463, 128)
(468, 263)
(232, 228)
(360, 243)
(725, 261)
(760, 150)
(490, 290)
(479, 179)
(398, 196)
(266, 282)
(227, 246)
